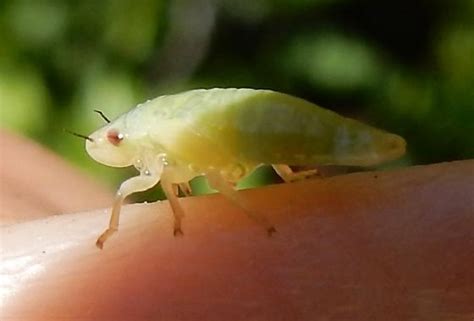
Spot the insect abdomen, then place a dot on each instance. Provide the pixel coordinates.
(275, 128)
(225, 126)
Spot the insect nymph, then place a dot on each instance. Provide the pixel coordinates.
(224, 134)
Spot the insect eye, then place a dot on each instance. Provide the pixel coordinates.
(114, 137)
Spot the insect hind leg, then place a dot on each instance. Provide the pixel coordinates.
(218, 182)
(288, 175)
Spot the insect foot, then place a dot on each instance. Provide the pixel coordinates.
(177, 232)
(270, 231)
(103, 237)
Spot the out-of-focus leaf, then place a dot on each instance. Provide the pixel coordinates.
(36, 24)
(455, 52)
(132, 25)
(24, 99)
(333, 61)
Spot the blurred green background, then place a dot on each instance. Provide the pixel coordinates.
(405, 66)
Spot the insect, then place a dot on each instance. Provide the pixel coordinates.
(224, 134)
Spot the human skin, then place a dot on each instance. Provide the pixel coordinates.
(394, 245)
(36, 183)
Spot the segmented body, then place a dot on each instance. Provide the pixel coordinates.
(225, 133)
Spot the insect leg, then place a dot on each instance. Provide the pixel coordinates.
(288, 175)
(169, 190)
(186, 188)
(176, 189)
(219, 183)
(135, 184)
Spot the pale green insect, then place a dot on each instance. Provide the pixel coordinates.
(224, 134)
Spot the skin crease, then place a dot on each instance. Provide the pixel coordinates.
(394, 245)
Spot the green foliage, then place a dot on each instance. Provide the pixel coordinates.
(332, 61)
(407, 67)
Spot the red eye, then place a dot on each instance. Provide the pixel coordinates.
(114, 137)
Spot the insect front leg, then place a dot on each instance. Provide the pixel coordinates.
(218, 182)
(288, 175)
(146, 180)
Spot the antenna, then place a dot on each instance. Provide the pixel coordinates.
(79, 135)
(102, 115)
